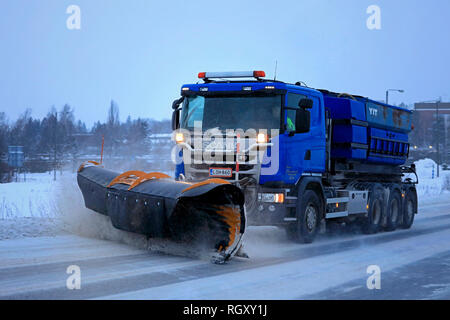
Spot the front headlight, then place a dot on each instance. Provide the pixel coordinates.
(261, 138)
(179, 137)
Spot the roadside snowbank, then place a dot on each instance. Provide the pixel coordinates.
(430, 186)
(30, 198)
(30, 227)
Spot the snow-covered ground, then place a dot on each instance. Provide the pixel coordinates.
(28, 207)
(430, 187)
(29, 198)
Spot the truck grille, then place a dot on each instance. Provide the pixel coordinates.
(201, 171)
(222, 154)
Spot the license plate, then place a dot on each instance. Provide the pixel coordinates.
(220, 172)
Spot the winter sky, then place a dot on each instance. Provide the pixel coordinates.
(139, 52)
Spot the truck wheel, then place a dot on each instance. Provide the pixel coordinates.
(408, 210)
(394, 210)
(371, 223)
(308, 217)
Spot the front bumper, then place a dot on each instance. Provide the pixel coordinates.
(270, 214)
(266, 217)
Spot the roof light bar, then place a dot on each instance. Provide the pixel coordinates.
(233, 74)
(259, 74)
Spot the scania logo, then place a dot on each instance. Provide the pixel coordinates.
(219, 144)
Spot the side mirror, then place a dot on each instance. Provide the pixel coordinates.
(177, 103)
(302, 121)
(305, 103)
(175, 119)
(176, 113)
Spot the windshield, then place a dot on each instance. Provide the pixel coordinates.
(233, 112)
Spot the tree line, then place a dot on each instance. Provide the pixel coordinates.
(59, 135)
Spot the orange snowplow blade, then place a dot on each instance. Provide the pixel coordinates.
(211, 212)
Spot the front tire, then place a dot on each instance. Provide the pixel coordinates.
(308, 217)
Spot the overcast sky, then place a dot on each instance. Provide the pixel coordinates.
(139, 53)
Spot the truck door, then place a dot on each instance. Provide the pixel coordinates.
(304, 152)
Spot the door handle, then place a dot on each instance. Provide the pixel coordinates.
(308, 155)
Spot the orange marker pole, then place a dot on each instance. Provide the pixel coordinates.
(101, 154)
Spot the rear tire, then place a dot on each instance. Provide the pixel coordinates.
(409, 209)
(371, 223)
(394, 210)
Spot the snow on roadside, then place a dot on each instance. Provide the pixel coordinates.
(431, 187)
(29, 227)
(27, 207)
(31, 198)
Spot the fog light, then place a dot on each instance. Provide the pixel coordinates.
(271, 208)
(260, 207)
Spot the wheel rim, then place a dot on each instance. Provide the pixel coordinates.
(310, 217)
(394, 210)
(376, 213)
(409, 211)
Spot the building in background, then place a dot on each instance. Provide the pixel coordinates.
(431, 134)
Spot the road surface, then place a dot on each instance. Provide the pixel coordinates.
(414, 264)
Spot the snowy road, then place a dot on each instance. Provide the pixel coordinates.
(414, 264)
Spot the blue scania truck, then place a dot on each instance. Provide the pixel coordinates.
(302, 156)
